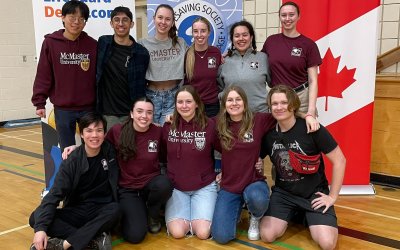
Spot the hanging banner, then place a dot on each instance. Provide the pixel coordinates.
(220, 14)
(47, 19)
(346, 35)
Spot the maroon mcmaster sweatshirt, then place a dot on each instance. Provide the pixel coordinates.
(190, 154)
(135, 173)
(238, 164)
(66, 72)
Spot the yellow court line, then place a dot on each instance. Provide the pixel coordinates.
(388, 198)
(14, 229)
(19, 131)
(22, 135)
(371, 213)
(15, 137)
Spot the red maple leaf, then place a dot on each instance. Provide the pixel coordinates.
(331, 83)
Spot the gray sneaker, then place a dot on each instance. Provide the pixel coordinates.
(154, 225)
(101, 242)
(55, 244)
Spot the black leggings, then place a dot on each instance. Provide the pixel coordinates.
(136, 205)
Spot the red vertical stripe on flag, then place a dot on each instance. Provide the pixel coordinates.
(358, 152)
(321, 17)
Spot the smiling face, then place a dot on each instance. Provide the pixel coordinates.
(163, 20)
(288, 16)
(186, 105)
(93, 136)
(279, 107)
(142, 115)
(201, 33)
(73, 24)
(121, 24)
(242, 39)
(234, 106)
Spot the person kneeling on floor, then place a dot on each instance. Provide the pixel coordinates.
(87, 185)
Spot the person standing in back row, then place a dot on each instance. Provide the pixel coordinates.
(201, 66)
(167, 55)
(245, 67)
(121, 69)
(66, 72)
(294, 59)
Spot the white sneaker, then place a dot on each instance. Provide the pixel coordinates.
(254, 231)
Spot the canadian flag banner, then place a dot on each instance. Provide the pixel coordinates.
(346, 35)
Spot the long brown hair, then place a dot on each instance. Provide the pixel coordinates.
(172, 32)
(200, 119)
(127, 139)
(190, 56)
(225, 134)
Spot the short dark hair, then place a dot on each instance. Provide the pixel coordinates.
(122, 9)
(292, 4)
(71, 6)
(89, 118)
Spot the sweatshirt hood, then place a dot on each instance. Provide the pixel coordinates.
(59, 35)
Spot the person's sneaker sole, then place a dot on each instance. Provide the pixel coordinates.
(253, 237)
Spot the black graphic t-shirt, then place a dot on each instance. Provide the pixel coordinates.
(299, 141)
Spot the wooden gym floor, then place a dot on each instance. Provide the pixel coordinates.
(365, 222)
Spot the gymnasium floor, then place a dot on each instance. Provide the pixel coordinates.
(365, 222)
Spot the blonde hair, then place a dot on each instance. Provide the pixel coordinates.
(190, 56)
(225, 134)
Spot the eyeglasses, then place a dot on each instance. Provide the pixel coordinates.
(124, 20)
(73, 19)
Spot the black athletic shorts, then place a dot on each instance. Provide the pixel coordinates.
(284, 205)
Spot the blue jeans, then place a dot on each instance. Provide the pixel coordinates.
(228, 209)
(66, 126)
(164, 103)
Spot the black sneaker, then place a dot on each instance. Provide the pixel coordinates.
(154, 225)
(55, 244)
(101, 242)
(32, 247)
(92, 245)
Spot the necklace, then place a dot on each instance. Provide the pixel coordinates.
(203, 54)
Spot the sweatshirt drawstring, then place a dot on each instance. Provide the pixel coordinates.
(178, 152)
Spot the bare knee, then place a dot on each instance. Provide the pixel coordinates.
(178, 228)
(203, 233)
(271, 229)
(270, 235)
(327, 243)
(201, 228)
(324, 236)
